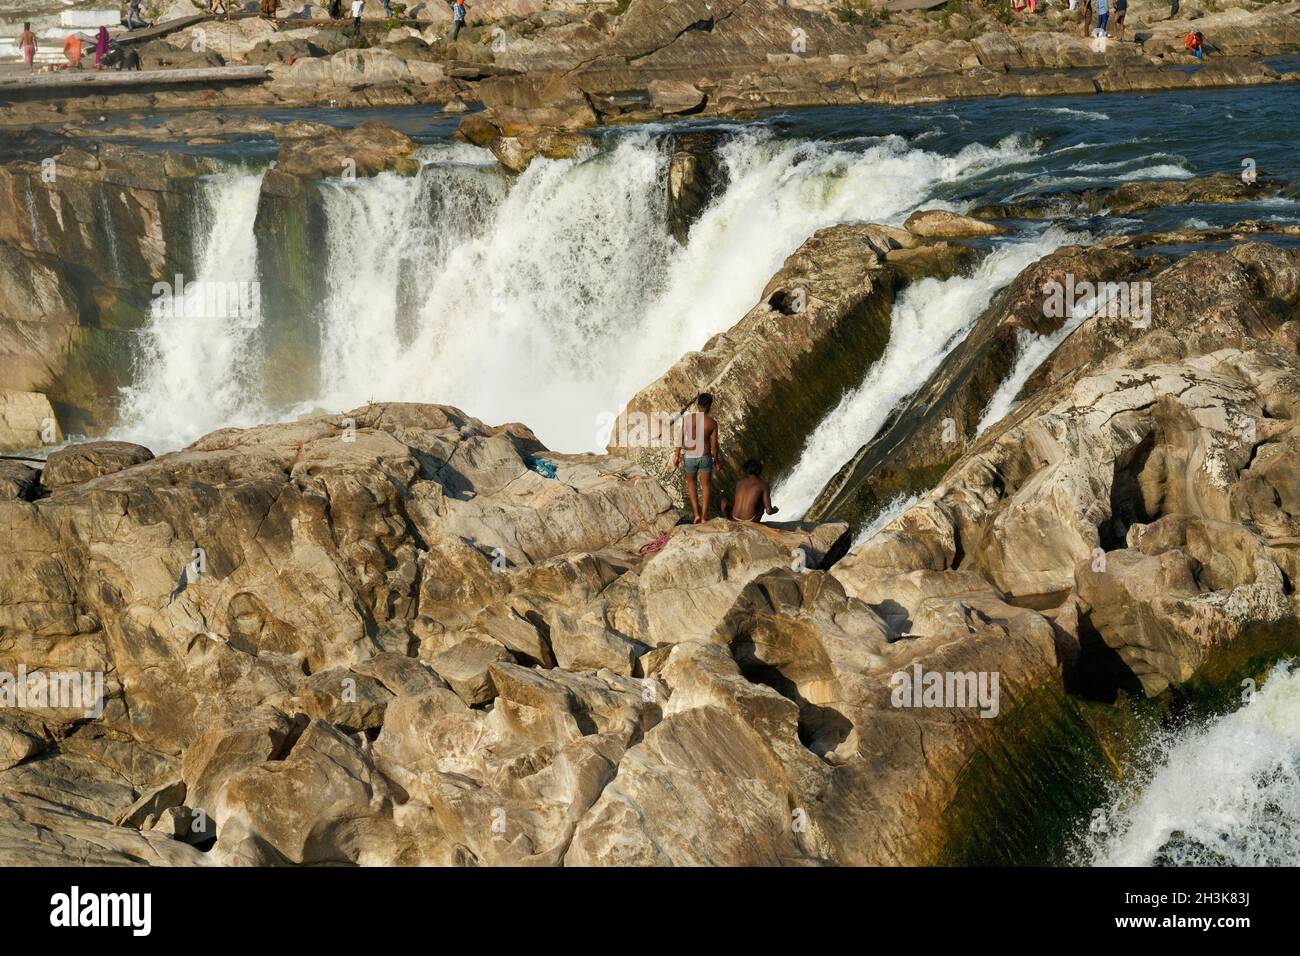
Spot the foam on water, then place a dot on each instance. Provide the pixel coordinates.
(196, 373)
(895, 507)
(1033, 351)
(1225, 792)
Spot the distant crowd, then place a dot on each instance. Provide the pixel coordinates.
(1094, 15)
(109, 54)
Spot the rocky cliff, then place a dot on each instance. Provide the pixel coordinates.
(399, 635)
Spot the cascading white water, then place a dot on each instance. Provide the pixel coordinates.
(195, 370)
(574, 289)
(1224, 793)
(892, 509)
(549, 298)
(929, 320)
(1033, 351)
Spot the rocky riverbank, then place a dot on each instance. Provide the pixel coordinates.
(401, 634)
(392, 636)
(655, 58)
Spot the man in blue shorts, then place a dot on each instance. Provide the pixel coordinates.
(696, 452)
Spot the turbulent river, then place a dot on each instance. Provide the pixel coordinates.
(467, 286)
(1225, 792)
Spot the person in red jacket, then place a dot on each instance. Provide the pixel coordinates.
(1195, 44)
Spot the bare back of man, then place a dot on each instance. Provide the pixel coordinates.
(753, 495)
(697, 454)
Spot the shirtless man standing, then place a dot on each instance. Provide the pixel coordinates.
(699, 441)
(753, 495)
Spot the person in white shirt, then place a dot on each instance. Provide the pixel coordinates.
(357, 7)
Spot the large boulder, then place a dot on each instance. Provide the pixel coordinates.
(942, 224)
(362, 150)
(519, 102)
(675, 96)
(88, 460)
(822, 320)
(1186, 589)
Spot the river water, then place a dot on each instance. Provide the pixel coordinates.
(467, 286)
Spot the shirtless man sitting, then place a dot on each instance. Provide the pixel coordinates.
(698, 440)
(753, 495)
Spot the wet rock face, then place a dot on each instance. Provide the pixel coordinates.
(77, 271)
(1135, 196)
(696, 175)
(935, 426)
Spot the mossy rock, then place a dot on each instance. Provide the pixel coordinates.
(1027, 799)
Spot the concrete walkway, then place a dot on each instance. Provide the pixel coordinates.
(90, 80)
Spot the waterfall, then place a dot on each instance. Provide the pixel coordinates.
(196, 367)
(1226, 792)
(930, 318)
(548, 298)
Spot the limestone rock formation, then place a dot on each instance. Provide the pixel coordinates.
(26, 420)
(84, 461)
(941, 224)
(363, 151)
(1100, 493)
(70, 302)
(1201, 303)
(393, 637)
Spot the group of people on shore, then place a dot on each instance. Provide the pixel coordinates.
(458, 8)
(1095, 16)
(107, 51)
(1102, 17)
(72, 48)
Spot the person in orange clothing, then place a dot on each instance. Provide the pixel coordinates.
(1195, 44)
(72, 50)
